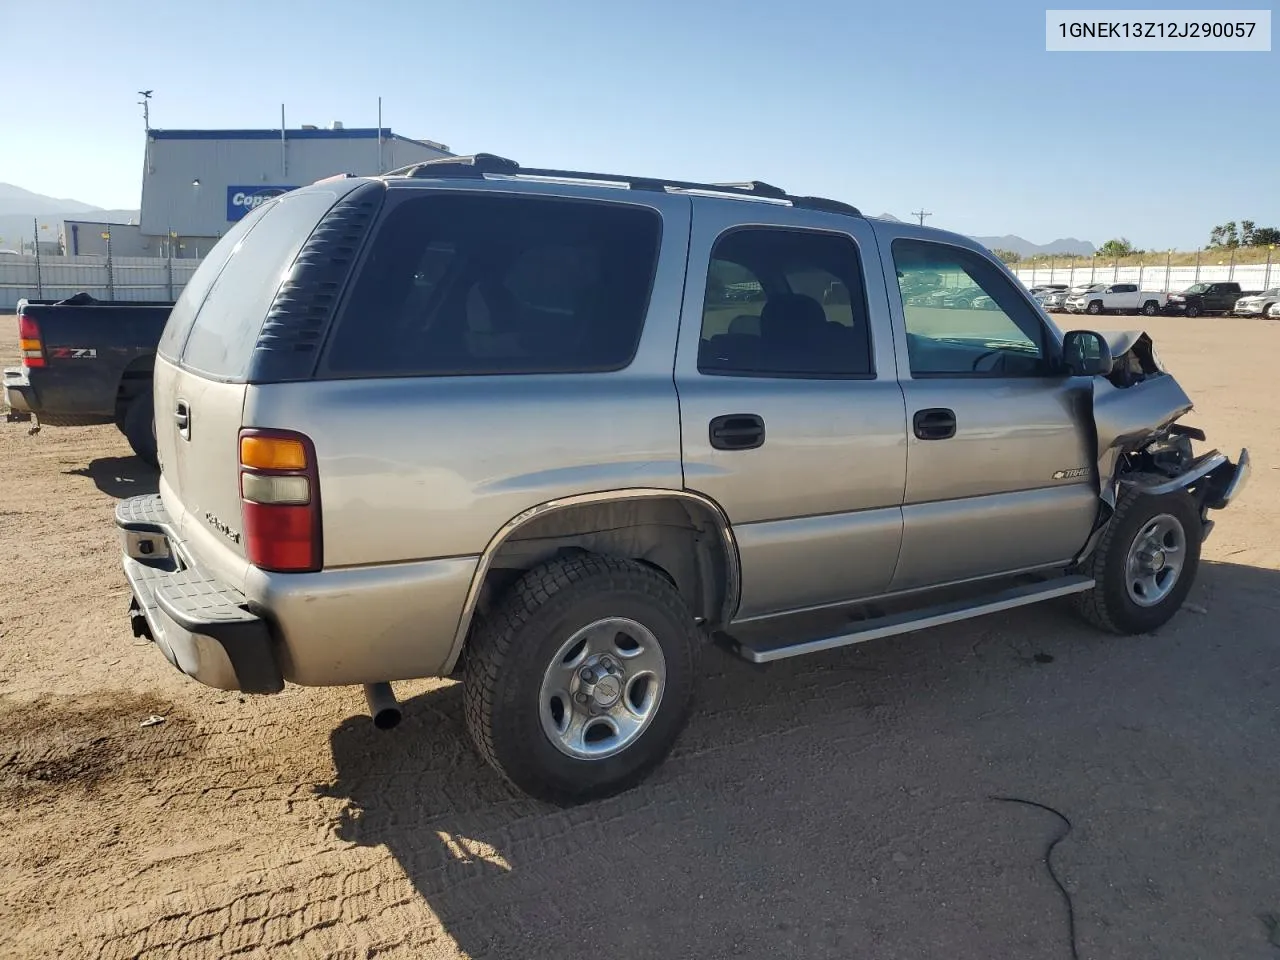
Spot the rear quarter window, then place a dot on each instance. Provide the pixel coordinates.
(184, 311)
(228, 322)
(459, 284)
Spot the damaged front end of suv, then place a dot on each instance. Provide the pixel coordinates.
(1141, 446)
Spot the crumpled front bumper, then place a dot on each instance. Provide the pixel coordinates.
(203, 627)
(1226, 482)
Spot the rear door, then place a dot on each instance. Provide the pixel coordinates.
(200, 400)
(791, 415)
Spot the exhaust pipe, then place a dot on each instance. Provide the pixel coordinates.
(383, 705)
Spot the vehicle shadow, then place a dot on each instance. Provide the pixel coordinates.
(120, 477)
(844, 804)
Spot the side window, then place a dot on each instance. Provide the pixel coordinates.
(785, 303)
(226, 328)
(467, 284)
(193, 294)
(963, 316)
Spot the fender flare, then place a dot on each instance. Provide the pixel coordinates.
(728, 542)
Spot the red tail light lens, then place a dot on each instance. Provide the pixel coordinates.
(280, 501)
(29, 342)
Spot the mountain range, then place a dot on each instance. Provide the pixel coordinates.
(19, 207)
(1025, 248)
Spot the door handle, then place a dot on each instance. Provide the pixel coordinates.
(936, 423)
(737, 431)
(182, 417)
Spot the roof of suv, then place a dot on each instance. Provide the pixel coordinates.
(485, 166)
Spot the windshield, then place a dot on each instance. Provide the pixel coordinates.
(1273, 292)
(1197, 288)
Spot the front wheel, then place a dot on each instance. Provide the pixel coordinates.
(580, 680)
(1193, 312)
(1095, 308)
(1145, 563)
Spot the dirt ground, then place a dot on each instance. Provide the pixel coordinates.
(832, 806)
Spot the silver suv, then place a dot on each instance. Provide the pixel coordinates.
(552, 432)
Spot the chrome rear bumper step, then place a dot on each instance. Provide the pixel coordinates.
(893, 624)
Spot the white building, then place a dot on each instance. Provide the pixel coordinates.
(196, 183)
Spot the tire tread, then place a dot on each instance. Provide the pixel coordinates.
(492, 643)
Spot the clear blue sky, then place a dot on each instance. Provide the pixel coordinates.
(954, 106)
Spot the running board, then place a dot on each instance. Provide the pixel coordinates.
(912, 620)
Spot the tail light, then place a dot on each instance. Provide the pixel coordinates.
(280, 501)
(29, 342)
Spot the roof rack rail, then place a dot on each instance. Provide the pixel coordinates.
(481, 165)
(825, 204)
(476, 166)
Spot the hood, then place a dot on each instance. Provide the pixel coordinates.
(1121, 342)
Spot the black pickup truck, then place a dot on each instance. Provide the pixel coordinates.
(87, 361)
(1203, 298)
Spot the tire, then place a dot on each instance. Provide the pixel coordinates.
(140, 428)
(1111, 604)
(1192, 312)
(1150, 308)
(1095, 307)
(1273, 310)
(526, 649)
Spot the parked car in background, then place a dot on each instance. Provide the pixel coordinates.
(87, 361)
(1042, 289)
(1204, 298)
(559, 468)
(1264, 304)
(1116, 298)
(1055, 300)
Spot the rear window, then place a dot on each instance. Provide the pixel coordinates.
(227, 325)
(466, 284)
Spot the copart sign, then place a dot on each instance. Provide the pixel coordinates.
(240, 200)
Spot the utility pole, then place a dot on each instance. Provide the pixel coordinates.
(145, 103)
(921, 213)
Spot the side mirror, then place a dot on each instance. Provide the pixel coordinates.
(1086, 354)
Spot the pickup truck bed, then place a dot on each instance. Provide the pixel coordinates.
(87, 361)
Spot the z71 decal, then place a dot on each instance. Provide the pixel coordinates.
(73, 353)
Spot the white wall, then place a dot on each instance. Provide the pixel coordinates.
(132, 278)
(1153, 277)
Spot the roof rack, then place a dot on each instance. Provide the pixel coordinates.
(481, 165)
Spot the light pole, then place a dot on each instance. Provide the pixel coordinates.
(145, 103)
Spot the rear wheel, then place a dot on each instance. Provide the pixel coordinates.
(1150, 308)
(1145, 564)
(140, 428)
(579, 682)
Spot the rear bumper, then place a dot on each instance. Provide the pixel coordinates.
(17, 390)
(202, 626)
(25, 400)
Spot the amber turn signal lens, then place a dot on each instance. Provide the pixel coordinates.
(272, 453)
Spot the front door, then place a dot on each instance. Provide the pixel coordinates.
(999, 464)
(791, 415)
